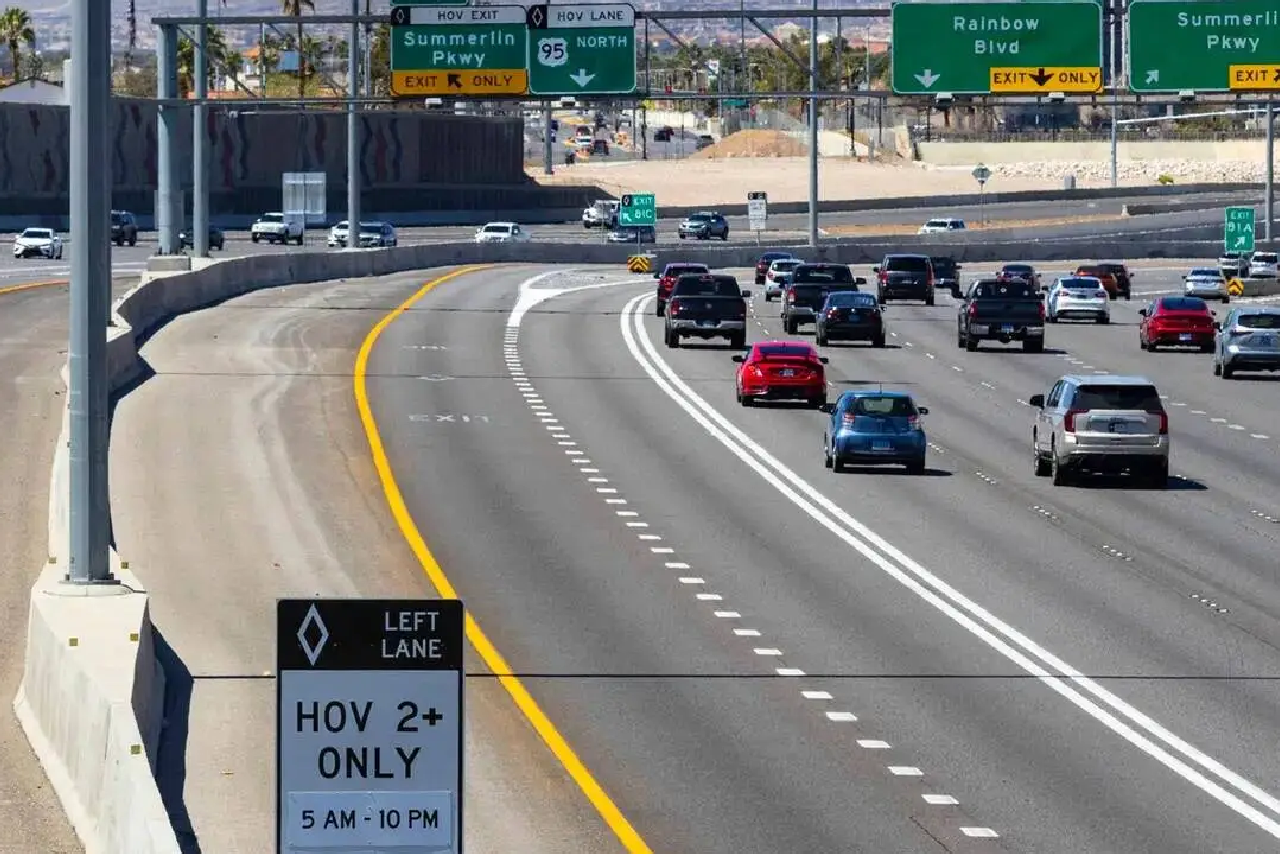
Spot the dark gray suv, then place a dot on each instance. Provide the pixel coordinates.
(704, 226)
(124, 228)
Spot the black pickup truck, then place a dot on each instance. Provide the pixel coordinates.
(707, 306)
(1004, 311)
(810, 284)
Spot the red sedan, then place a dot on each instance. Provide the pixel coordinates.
(1176, 322)
(781, 370)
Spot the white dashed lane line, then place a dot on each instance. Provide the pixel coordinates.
(633, 523)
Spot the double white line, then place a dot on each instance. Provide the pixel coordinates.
(1230, 788)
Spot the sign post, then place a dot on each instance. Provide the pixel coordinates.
(758, 212)
(1203, 46)
(638, 209)
(982, 174)
(369, 725)
(457, 51)
(582, 50)
(1238, 231)
(1011, 47)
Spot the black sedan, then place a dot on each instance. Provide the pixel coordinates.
(217, 240)
(850, 316)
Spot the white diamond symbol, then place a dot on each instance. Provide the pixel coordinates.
(312, 620)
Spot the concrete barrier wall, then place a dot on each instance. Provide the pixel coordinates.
(969, 153)
(91, 698)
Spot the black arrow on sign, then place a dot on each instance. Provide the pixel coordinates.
(1276, 78)
(1042, 77)
(399, 15)
(536, 17)
(455, 81)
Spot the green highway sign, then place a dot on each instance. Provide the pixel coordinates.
(1030, 46)
(1237, 230)
(433, 2)
(1174, 45)
(638, 209)
(458, 50)
(582, 50)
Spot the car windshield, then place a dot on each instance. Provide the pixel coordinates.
(677, 270)
(700, 218)
(886, 406)
(836, 274)
(1259, 321)
(271, 218)
(1132, 397)
(1265, 258)
(783, 351)
(119, 219)
(785, 266)
(708, 286)
(851, 299)
(943, 266)
(1019, 269)
(38, 233)
(497, 229)
(774, 256)
(1184, 304)
(906, 264)
(1205, 273)
(936, 223)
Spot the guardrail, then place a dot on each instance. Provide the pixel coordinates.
(91, 700)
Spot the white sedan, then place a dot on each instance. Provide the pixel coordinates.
(1206, 283)
(1082, 297)
(778, 277)
(501, 232)
(37, 242)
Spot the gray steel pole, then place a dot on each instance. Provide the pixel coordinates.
(548, 167)
(199, 134)
(813, 128)
(1269, 208)
(367, 53)
(166, 154)
(1115, 94)
(90, 98)
(353, 134)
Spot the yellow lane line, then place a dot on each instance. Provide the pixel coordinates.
(493, 659)
(30, 286)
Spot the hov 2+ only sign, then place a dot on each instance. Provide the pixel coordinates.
(369, 726)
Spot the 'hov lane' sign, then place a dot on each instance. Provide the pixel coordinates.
(369, 725)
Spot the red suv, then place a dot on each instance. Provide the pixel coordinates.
(667, 280)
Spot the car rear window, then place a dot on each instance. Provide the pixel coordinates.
(900, 407)
(1183, 304)
(1205, 273)
(1092, 270)
(1258, 321)
(1131, 397)
(837, 274)
(1019, 269)
(1004, 290)
(1265, 257)
(810, 293)
(1082, 283)
(707, 286)
(943, 266)
(678, 270)
(1112, 268)
(852, 299)
(783, 351)
(774, 256)
(785, 265)
(906, 264)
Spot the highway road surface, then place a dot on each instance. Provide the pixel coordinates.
(746, 652)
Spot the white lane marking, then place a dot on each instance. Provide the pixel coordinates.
(596, 479)
(572, 453)
(552, 427)
(607, 490)
(957, 369)
(747, 633)
(662, 550)
(567, 444)
(710, 597)
(675, 564)
(637, 524)
(581, 461)
(648, 538)
(626, 512)
(905, 771)
(979, 833)
(1076, 688)
(615, 501)
(816, 695)
(1259, 436)
(873, 744)
(931, 356)
(940, 800)
(728, 615)
(1177, 403)
(767, 650)
(1235, 426)
(1218, 420)
(691, 579)
(788, 671)
(842, 717)
(1198, 412)
(589, 471)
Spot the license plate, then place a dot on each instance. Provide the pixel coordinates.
(706, 323)
(787, 372)
(1266, 341)
(1186, 336)
(1006, 328)
(880, 446)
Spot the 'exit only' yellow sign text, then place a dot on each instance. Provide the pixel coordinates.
(1085, 79)
(1255, 77)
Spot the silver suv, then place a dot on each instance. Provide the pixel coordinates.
(1248, 340)
(1101, 424)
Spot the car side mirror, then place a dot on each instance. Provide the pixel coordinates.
(746, 294)
(827, 407)
(1037, 400)
(738, 357)
(657, 275)
(824, 360)
(875, 269)
(923, 410)
(1217, 325)
(859, 280)
(1142, 312)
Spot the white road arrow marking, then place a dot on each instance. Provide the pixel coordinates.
(928, 78)
(582, 78)
(1153, 75)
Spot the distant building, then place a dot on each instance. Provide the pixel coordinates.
(33, 92)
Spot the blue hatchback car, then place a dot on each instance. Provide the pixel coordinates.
(874, 428)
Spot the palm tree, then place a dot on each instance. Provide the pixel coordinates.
(16, 31)
(217, 54)
(294, 8)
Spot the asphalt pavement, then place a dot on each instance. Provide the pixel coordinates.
(753, 654)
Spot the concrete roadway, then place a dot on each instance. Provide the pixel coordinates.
(33, 341)
(697, 561)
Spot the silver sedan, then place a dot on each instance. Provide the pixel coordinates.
(1206, 283)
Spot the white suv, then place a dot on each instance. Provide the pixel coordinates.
(276, 228)
(942, 226)
(1262, 265)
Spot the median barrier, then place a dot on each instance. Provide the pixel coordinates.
(91, 699)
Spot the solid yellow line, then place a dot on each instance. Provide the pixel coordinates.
(30, 286)
(551, 736)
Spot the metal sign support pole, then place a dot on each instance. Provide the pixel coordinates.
(548, 167)
(1269, 206)
(813, 128)
(90, 131)
(166, 163)
(353, 135)
(200, 133)
(1115, 94)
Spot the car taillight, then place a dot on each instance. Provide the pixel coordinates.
(846, 420)
(832, 313)
(1164, 422)
(913, 422)
(742, 308)
(1041, 307)
(674, 308)
(791, 296)
(884, 276)
(973, 309)
(1069, 420)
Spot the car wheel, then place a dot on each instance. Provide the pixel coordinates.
(1051, 318)
(790, 327)
(1207, 348)
(959, 339)
(1157, 477)
(1217, 369)
(837, 464)
(299, 240)
(673, 339)
(725, 236)
(1227, 371)
(1104, 319)
(120, 241)
(682, 237)
(916, 466)
(661, 309)
(1032, 346)
(738, 341)
(928, 300)
(746, 400)
(253, 237)
(1225, 299)
(1042, 467)
(818, 402)
(768, 298)
(971, 343)
(878, 341)
(826, 452)
(820, 339)
(1061, 477)
(1127, 297)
